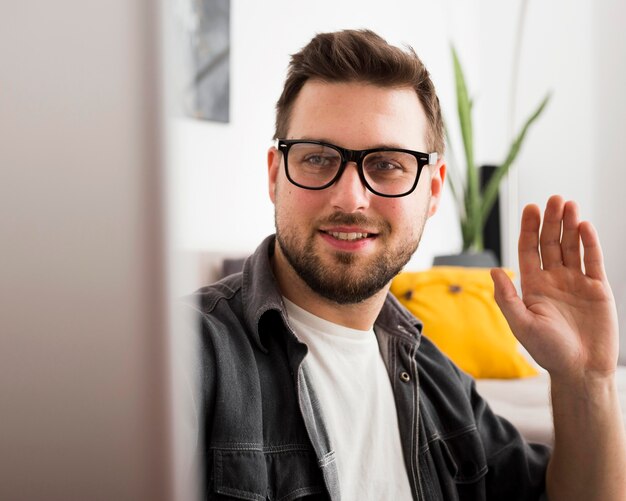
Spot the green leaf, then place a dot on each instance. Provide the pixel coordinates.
(491, 190)
(464, 108)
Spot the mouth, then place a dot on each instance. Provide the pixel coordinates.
(348, 239)
(348, 236)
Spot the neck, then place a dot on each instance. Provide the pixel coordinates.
(359, 316)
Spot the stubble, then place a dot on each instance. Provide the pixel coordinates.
(349, 278)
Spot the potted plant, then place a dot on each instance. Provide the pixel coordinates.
(473, 202)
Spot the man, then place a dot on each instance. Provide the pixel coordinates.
(317, 383)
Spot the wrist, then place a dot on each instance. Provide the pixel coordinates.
(590, 388)
(583, 378)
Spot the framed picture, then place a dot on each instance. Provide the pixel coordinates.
(204, 37)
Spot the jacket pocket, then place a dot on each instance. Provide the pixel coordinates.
(454, 467)
(278, 473)
(239, 474)
(466, 456)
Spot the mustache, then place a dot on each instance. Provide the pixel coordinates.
(356, 219)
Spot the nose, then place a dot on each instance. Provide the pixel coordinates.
(349, 194)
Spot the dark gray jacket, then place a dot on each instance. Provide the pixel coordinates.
(265, 437)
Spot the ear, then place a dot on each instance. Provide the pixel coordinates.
(437, 177)
(273, 168)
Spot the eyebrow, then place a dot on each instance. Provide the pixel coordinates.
(376, 146)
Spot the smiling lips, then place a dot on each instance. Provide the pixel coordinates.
(350, 232)
(347, 236)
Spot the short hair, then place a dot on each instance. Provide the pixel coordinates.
(360, 56)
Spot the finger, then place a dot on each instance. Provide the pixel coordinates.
(550, 238)
(594, 261)
(528, 245)
(513, 308)
(570, 242)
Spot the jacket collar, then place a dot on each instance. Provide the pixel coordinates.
(260, 294)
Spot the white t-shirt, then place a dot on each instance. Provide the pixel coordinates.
(355, 394)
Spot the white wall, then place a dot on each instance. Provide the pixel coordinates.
(578, 51)
(607, 169)
(574, 49)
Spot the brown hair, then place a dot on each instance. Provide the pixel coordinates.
(360, 56)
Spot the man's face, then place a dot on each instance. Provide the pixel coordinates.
(345, 242)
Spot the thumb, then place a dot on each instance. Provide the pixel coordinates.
(512, 307)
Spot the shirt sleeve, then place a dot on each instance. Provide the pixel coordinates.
(516, 468)
(469, 451)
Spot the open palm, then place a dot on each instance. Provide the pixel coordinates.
(566, 318)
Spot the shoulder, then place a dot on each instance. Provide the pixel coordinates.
(207, 299)
(216, 314)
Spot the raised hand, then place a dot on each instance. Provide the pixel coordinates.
(566, 318)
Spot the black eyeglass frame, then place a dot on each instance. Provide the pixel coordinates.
(356, 156)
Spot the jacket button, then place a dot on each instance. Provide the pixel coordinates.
(405, 376)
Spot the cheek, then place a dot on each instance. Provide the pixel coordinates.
(405, 216)
(294, 202)
(398, 209)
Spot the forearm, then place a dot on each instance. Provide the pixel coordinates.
(589, 459)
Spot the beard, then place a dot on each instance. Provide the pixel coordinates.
(348, 279)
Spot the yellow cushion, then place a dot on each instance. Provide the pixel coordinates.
(462, 318)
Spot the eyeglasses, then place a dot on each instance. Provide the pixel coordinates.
(387, 172)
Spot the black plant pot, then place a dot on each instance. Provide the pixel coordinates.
(484, 259)
(491, 256)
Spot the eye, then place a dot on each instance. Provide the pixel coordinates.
(390, 164)
(318, 160)
(383, 164)
(386, 166)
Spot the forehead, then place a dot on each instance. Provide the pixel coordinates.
(358, 115)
